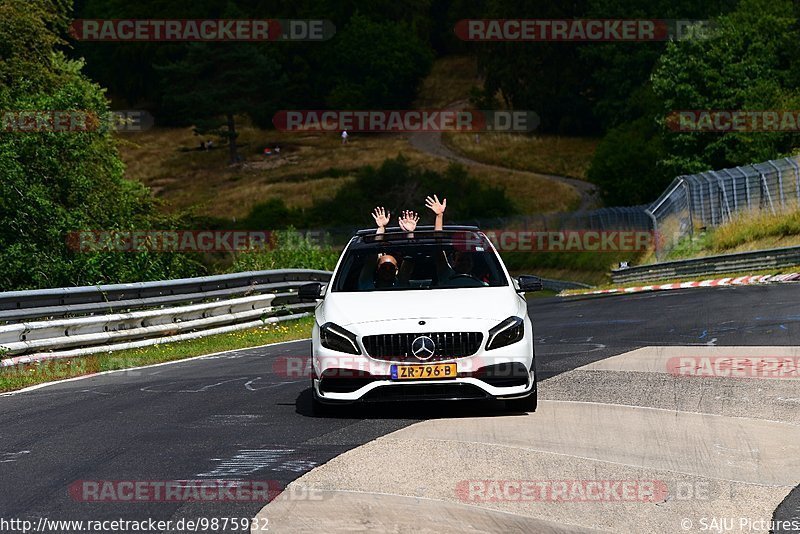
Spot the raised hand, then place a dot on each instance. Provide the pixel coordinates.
(408, 221)
(435, 206)
(381, 217)
(438, 208)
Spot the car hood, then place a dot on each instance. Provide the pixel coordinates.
(495, 303)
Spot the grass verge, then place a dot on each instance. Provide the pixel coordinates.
(750, 232)
(22, 376)
(548, 154)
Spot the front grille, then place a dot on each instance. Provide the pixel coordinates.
(397, 347)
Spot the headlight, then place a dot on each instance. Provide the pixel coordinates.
(336, 338)
(509, 331)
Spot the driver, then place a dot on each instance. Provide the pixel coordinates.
(460, 274)
(462, 262)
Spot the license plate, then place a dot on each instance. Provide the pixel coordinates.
(435, 371)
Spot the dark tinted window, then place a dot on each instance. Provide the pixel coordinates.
(426, 265)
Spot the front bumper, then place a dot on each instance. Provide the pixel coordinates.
(454, 389)
(505, 374)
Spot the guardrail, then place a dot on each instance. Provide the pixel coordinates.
(76, 321)
(561, 285)
(726, 263)
(67, 322)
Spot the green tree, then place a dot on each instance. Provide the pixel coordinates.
(129, 69)
(215, 82)
(620, 71)
(549, 78)
(53, 183)
(747, 62)
(751, 62)
(625, 164)
(375, 65)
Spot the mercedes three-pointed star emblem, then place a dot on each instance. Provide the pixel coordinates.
(423, 348)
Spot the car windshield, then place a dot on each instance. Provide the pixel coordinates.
(373, 264)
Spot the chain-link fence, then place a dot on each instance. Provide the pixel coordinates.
(695, 202)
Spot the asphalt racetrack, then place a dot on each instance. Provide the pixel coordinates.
(601, 368)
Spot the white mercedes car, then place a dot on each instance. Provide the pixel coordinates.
(422, 316)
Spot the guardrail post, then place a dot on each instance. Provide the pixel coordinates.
(780, 183)
(733, 187)
(765, 189)
(711, 209)
(688, 193)
(721, 185)
(796, 179)
(655, 233)
(746, 187)
(702, 202)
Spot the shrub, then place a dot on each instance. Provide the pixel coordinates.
(290, 250)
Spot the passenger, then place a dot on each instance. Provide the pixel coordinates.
(384, 270)
(386, 274)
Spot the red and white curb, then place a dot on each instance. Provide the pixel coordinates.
(740, 281)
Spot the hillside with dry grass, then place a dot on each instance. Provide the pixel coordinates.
(309, 168)
(547, 154)
(312, 167)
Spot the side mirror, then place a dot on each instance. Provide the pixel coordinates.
(312, 291)
(529, 283)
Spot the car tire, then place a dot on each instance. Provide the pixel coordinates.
(525, 404)
(318, 408)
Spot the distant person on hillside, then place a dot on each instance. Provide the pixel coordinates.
(344, 137)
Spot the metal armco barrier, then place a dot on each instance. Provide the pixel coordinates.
(66, 322)
(710, 265)
(561, 285)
